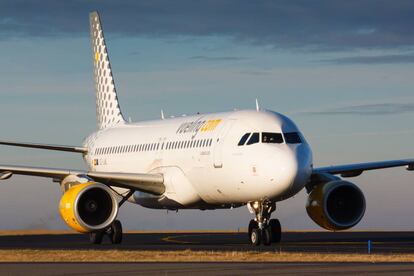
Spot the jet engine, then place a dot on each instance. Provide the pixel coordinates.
(88, 207)
(336, 205)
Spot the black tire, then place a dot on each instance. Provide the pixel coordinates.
(275, 230)
(266, 236)
(116, 232)
(252, 225)
(256, 236)
(96, 237)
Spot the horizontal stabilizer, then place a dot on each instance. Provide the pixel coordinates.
(45, 146)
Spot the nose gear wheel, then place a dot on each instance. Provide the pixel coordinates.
(262, 229)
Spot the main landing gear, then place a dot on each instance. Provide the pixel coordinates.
(114, 232)
(262, 229)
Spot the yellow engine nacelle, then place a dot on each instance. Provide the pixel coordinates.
(336, 205)
(88, 207)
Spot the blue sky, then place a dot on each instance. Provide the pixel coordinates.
(341, 71)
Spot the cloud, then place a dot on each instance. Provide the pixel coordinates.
(366, 110)
(222, 58)
(317, 24)
(382, 59)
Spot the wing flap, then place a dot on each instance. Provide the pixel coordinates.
(45, 146)
(39, 171)
(352, 170)
(149, 183)
(152, 183)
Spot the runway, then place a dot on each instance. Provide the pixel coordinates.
(299, 242)
(318, 242)
(207, 269)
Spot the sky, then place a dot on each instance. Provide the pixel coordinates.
(342, 70)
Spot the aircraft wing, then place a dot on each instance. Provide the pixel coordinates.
(149, 183)
(45, 146)
(353, 170)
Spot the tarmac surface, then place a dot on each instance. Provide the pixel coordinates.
(319, 242)
(46, 269)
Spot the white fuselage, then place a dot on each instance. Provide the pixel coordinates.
(202, 163)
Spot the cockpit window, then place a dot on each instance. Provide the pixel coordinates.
(253, 139)
(273, 138)
(292, 138)
(244, 139)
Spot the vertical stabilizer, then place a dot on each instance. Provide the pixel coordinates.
(108, 111)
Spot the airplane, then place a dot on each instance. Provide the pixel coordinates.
(252, 158)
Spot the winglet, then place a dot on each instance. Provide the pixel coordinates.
(257, 105)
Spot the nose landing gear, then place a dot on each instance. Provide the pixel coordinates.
(262, 229)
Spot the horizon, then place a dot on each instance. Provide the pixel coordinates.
(342, 75)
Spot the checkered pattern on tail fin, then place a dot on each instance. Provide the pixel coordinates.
(108, 111)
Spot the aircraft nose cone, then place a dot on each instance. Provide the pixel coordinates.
(293, 169)
(303, 164)
(288, 168)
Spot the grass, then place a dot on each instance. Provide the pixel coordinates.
(113, 255)
(28, 255)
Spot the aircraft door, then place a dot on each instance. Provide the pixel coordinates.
(219, 142)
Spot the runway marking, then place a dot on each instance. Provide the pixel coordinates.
(172, 239)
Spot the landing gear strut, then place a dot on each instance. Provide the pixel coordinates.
(262, 229)
(114, 232)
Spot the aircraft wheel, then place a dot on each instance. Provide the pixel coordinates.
(116, 232)
(266, 236)
(253, 224)
(275, 230)
(96, 237)
(256, 236)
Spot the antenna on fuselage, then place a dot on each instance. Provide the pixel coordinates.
(257, 105)
(162, 114)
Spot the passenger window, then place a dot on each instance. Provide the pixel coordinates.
(243, 139)
(272, 138)
(292, 138)
(253, 139)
